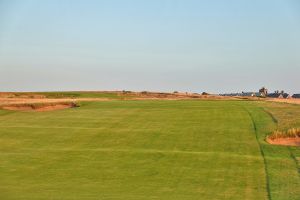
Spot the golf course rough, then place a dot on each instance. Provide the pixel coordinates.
(140, 150)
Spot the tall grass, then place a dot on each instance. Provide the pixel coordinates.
(290, 133)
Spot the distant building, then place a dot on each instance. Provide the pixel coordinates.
(242, 94)
(286, 95)
(275, 95)
(263, 92)
(280, 95)
(257, 94)
(296, 96)
(247, 94)
(229, 94)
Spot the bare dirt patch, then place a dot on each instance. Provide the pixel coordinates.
(285, 141)
(40, 107)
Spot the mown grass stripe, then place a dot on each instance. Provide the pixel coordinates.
(62, 127)
(229, 154)
(262, 154)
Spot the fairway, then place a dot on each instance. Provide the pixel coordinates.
(136, 150)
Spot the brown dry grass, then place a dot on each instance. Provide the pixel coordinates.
(40, 106)
(8, 101)
(291, 100)
(290, 133)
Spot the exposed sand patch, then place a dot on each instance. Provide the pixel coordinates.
(285, 141)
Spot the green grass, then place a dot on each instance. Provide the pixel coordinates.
(146, 150)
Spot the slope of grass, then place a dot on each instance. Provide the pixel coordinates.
(144, 150)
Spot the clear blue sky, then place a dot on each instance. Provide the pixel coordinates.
(161, 45)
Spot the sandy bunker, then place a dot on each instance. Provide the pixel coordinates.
(285, 141)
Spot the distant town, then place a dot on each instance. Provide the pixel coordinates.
(263, 92)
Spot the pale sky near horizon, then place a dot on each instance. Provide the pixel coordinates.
(159, 45)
